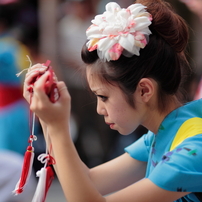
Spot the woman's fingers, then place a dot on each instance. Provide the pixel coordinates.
(61, 86)
(39, 102)
(34, 71)
(31, 76)
(39, 85)
(50, 113)
(63, 91)
(39, 67)
(39, 99)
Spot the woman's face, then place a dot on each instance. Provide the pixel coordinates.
(112, 105)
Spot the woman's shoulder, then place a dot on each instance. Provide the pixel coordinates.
(180, 115)
(193, 108)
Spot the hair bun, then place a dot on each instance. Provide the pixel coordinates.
(167, 23)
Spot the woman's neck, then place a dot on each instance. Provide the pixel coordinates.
(156, 117)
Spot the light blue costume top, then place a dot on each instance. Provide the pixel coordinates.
(178, 168)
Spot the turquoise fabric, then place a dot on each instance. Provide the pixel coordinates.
(181, 168)
(9, 49)
(14, 117)
(14, 127)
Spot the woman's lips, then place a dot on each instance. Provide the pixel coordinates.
(111, 125)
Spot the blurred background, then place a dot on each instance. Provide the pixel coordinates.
(55, 30)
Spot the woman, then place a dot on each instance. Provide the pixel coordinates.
(135, 64)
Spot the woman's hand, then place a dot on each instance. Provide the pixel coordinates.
(48, 112)
(31, 76)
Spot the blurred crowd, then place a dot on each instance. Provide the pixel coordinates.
(21, 28)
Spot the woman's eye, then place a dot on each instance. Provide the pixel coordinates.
(103, 98)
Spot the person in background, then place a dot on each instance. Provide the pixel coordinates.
(195, 6)
(10, 168)
(14, 111)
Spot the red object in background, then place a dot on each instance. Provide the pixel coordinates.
(7, 2)
(198, 94)
(9, 94)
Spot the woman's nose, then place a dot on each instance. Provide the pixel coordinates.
(101, 109)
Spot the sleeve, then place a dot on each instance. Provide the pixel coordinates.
(139, 150)
(181, 169)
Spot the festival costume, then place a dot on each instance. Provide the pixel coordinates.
(14, 111)
(174, 167)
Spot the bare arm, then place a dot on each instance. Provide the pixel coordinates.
(113, 175)
(117, 174)
(74, 180)
(78, 183)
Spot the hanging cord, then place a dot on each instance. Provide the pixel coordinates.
(46, 157)
(32, 124)
(26, 69)
(32, 116)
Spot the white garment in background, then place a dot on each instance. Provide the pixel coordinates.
(10, 171)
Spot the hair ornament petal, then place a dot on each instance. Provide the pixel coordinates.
(119, 31)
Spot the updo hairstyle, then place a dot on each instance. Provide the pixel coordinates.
(163, 59)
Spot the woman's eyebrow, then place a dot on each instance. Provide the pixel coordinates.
(96, 91)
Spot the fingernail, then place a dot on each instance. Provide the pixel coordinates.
(43, 68)
(35, 72)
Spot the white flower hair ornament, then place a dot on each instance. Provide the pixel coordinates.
(119, 31)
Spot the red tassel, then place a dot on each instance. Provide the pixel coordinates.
(26, 170)
(46, 176)
(49, 179)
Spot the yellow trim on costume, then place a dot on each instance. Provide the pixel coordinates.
(189, 128)
(21, 54)
(22, 57)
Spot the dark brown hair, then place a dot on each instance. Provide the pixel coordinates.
(163, 58)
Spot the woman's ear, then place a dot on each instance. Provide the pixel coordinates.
(146, 88)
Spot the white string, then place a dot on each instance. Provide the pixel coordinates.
(30, 64)
(44, 158)
(33, 124)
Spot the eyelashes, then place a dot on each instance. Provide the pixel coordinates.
(103, 98)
